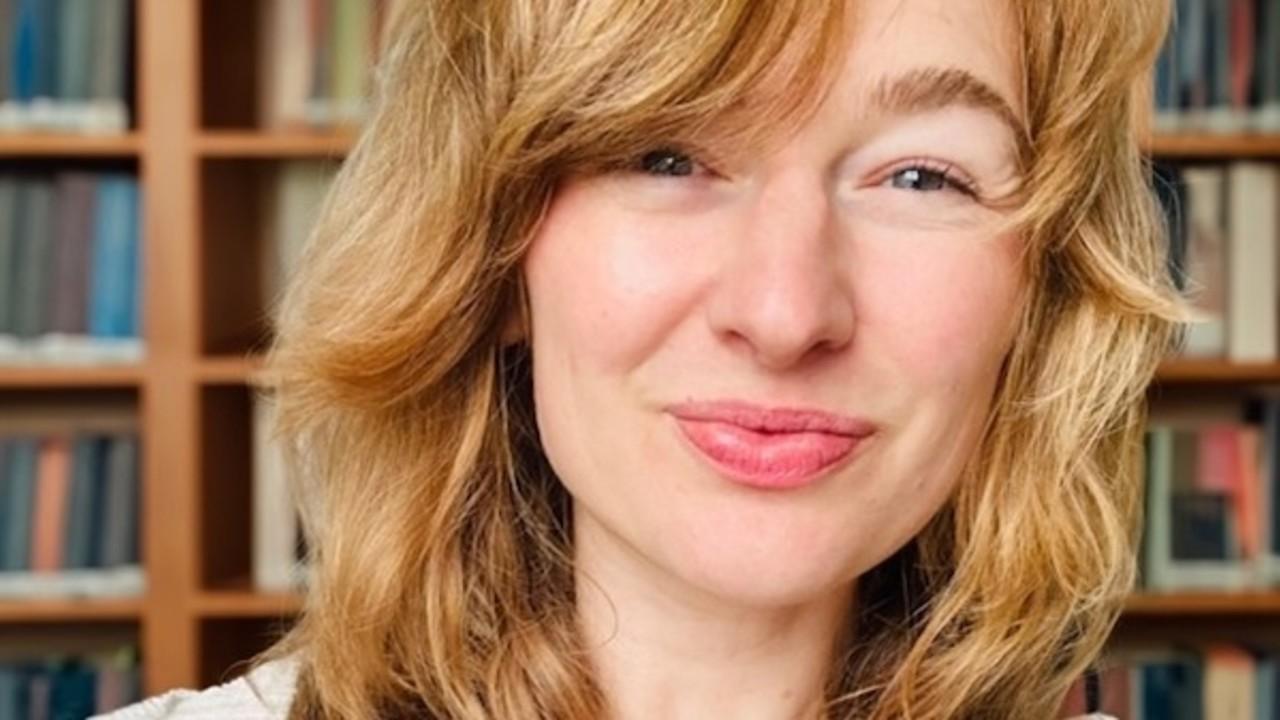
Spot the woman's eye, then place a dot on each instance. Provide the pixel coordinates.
(669, 162)
(926, 179)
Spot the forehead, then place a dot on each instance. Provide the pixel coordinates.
(887, 39)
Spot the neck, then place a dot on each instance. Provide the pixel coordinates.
(662, 648)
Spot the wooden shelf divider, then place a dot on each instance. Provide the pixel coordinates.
(70, 610)
(70, 376)
(1255, 602)
(58, 145)
(1212, 146)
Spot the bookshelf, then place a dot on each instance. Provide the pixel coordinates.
(201, 163)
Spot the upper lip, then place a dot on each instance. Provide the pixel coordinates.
(772, 419)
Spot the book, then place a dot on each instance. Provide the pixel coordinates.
(114, 272)
(1252, 294)
(10, 207)
(119, 542)
(1206, 261)
(19, 502)
(68, 299)
(276, 566)
(49, 514)
(34, 257)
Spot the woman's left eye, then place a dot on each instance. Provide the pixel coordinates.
(924, 178)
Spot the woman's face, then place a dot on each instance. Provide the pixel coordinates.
(760, 379)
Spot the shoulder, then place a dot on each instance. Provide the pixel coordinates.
(263, 694)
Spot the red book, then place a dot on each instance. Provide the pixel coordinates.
(1242, 53)
(53, 475)
(1219, 460)
(1248, 501)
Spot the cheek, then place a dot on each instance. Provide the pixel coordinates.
(606, 288)
(942, 309)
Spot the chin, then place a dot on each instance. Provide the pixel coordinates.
(764, 579)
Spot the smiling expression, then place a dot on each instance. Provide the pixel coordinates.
(856, 273)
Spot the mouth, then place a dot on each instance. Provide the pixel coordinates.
(769, 448)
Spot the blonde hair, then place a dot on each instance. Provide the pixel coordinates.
(442, 582)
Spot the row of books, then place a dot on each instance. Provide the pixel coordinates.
(1224, 231)
(1212, 496)
(65, 65)
(1219, 70)
(63, 687)
(69, 267)
(319, 56)
(1218, 681)
(69, 515)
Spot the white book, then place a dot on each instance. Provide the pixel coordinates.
(275, 520)
(1229, 691)
(286, 73)
(294, 198)
(1254, 189)
(1206, 261)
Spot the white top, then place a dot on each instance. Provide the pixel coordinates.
(263, 694)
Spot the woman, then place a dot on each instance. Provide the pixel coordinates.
(723, 359)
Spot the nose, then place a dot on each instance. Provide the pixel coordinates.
(781, 293)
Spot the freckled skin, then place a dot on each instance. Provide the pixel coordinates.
(801, 278)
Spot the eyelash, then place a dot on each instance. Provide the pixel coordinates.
(950, 176)
(669, 151)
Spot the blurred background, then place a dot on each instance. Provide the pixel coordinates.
(160, 165)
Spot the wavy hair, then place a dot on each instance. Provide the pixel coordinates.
(442, 581)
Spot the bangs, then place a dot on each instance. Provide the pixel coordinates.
(614, 77)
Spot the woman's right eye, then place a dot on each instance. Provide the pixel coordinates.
(668, 162)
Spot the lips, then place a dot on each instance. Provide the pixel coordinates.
(769, 448)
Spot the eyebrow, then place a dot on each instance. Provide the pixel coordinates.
(936, 88)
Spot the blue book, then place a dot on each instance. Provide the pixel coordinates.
(1166, 79)
(119, 535)
(133, 222)
(47, 74)
(13, 693)
(20, 503)
(1264, 687)
(26, 52)
(6, 48)
(73, 692)
(113, 271)
(4, 496)
(1173, 690)
(82, 528)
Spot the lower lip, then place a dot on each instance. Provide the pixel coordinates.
(773, 461)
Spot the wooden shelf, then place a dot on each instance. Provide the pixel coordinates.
(246, 604)
(70, 610)
(231, 370)
(1204, 145)
(66, 145)
(57, 376)
(1217, 371)
(1261, 602)
(257, 144)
